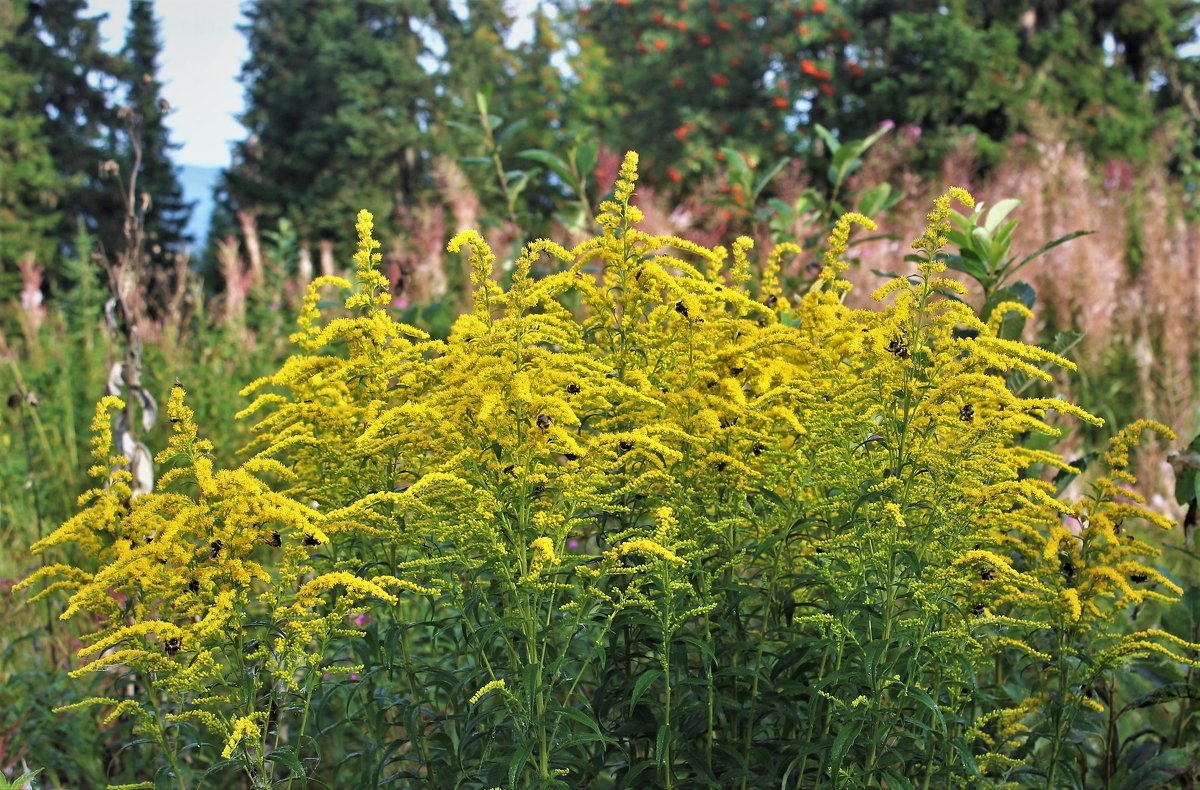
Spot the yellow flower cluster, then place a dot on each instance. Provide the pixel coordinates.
(649, 417)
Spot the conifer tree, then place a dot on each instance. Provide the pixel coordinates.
(337, 109)
(29, 187)
(59, 45)
(167, 213)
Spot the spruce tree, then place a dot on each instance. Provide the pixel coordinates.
(29, 187)
(167, 213)
(337, 110)
(59, 45)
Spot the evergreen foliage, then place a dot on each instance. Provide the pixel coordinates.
(167, 214)
(58, 45)
(29, 185)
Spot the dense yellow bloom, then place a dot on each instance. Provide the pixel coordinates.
(634, 430)
(244, 728)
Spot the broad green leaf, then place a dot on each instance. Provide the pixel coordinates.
(876, 200)
(828, 137)
(556, 165)
(999, 212)
(585, 158)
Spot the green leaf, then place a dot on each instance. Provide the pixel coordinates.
(287, 757)
(585, 159)
(508, 131)
(828, 137)
(967, 264)
(556, 165)
(876, 200)
(766, 177)
(896, 781)
(927, 701)
(841, 745)
(1167, 693)
(999, 212)
(662, 741)
(981, 242)
(644, 681)
(517, 764)
(1042, 250)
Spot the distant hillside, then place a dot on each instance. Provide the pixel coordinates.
(197, 182)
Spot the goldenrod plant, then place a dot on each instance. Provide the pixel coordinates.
(646, 521)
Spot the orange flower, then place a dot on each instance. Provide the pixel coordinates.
(803, 30)
(826, 88)
(821, 74)
(720, 80)
(854, 69)
(674, 175)
(677, 82)
(703, 41)
(819, 7)
(738, 195)
(658, 17)
(745, 16)
(623, 2)
(720, 156)
(808, 67)
(783, 85)
(660, 45)
(681, 26)
(683, 131)
(781, 102)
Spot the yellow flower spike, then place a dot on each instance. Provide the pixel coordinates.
(934, 237)
(542, 555)
(770, 286)
(647, 547)
(102, 438)
(739, 273)
(626, 178)
(487, 688)
(483, 262)
(372, 287)
(839, 243)
(245, 728)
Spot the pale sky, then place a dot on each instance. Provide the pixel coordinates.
(202, 55)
